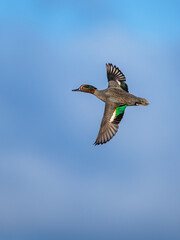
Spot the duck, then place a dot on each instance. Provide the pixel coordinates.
(116, 98)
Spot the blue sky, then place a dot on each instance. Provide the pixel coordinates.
(54, 184)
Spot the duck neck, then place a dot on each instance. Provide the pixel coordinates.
(99, 94)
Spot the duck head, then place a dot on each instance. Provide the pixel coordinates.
(86, 88)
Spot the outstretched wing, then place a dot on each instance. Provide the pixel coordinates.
(110, 123)
(115, 77)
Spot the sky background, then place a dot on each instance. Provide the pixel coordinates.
(54, 183)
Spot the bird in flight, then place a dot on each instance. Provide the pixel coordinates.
(116, 98)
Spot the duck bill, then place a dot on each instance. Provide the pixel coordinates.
(74, 90)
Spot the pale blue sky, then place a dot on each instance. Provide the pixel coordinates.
(54, 184)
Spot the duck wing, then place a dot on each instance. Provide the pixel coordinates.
(115, 77)
(110, 123)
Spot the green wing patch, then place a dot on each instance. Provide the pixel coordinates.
(124, 86)
(119, 112)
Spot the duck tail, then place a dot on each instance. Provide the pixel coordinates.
(142, 101)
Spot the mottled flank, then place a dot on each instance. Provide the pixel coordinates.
(117, 98)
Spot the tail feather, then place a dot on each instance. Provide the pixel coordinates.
(142, 101)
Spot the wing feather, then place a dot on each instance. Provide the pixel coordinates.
(109, 126)
(114, 75)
